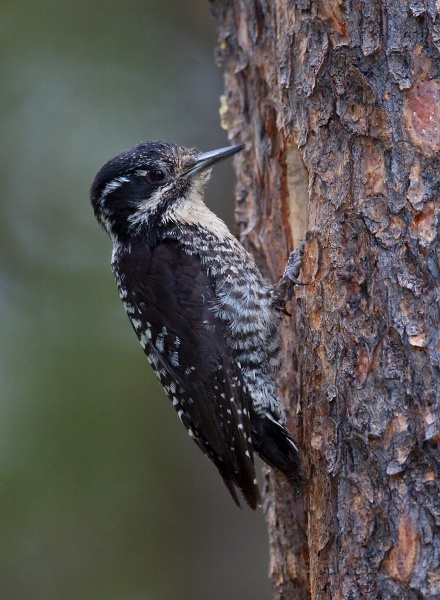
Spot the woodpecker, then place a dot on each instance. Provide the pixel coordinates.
(205, 317)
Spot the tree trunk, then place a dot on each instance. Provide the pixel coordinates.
(339, 107)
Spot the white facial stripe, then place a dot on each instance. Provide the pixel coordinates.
(112, 186)
(190, 210)
(147, 206)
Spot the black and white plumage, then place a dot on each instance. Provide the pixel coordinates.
(205, 317)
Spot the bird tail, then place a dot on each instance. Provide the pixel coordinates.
(274, 444)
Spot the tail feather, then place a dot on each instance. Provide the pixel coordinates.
(274, 444)
(250, 492)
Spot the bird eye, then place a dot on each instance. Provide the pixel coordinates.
(157, 176)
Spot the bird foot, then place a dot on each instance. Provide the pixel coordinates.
(294, 263)
(290, 277)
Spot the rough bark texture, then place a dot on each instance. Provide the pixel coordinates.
(351, 92)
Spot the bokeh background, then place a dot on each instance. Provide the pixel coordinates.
(102, 494)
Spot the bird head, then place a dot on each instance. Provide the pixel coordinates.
(144, 185)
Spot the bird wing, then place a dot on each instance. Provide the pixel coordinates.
(172, 297)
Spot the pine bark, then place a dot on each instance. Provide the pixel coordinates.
(339, 106)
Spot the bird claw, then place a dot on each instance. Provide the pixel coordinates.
(294, 263)
(290, 278)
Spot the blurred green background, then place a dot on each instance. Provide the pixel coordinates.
(102, 493)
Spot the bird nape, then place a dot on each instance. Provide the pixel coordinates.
(204, 315)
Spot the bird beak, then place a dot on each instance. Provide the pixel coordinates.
(204, 160)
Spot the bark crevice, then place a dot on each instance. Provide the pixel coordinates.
(351, 92)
